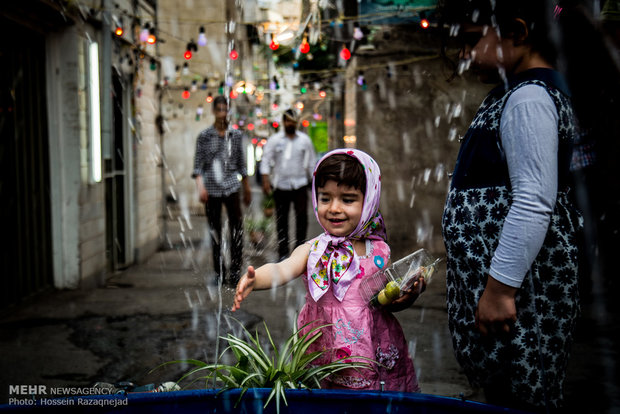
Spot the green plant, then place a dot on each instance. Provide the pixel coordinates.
(290, 367)
(268, 201)
(259, 225)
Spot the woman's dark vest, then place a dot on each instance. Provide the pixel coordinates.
(481, 161)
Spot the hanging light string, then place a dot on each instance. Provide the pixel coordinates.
(119, 18)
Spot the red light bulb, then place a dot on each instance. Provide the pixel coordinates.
(424, 24)
(233, 54)
(305, 46)
(274, 45)
(345, 53)
(185, 94)
(188, 54)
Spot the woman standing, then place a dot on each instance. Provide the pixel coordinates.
(508, 224)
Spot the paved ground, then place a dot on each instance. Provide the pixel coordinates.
(169, 309)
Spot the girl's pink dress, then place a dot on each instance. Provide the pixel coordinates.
(361, 330)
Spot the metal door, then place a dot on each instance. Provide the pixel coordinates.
(25, 206)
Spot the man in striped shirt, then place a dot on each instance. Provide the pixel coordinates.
(219, 164)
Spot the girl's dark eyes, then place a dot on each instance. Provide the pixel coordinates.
(345, 200)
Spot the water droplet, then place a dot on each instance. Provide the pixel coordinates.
(452, 134)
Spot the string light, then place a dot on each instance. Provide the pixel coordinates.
(274, 45)
(119, 27)
(151, 39)
(424, 24)
(305, 46)
(202, 37)
(344, 54)
(209, 98)
(144, 33)
(361, 81)
(357, 32)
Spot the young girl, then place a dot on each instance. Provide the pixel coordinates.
(509, 227)
(346, 189)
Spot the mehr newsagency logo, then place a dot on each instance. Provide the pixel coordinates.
(43, 395)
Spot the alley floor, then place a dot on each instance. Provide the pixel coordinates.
(169, 308)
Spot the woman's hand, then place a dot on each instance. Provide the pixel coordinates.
(244, 287)
(496, 310)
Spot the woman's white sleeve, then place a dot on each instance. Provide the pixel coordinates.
(529, 135)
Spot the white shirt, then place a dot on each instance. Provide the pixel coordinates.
(529, 135)
(288, 161)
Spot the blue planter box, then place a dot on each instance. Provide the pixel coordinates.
(299, 402)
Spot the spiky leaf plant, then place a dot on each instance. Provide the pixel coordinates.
(289, 367)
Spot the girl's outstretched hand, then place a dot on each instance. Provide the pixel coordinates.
(244, 287)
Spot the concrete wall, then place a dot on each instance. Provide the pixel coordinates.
(409, 119)
(78, 204)
(147, 164)
(65, 122)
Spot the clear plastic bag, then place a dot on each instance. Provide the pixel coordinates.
(389, 284)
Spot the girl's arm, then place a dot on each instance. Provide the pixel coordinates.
(272, 274)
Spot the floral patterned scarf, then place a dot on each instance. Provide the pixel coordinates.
(332, 260)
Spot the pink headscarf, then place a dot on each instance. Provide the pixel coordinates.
(332, 260)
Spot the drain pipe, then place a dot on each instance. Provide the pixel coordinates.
(106, 85)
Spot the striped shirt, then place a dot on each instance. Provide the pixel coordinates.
(220, 161)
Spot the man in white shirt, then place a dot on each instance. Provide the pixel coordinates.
(286, 168)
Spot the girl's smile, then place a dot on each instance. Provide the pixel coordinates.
(339, 208)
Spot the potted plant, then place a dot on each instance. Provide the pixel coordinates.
(288, 367)
(257, 230)
(269, 205)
